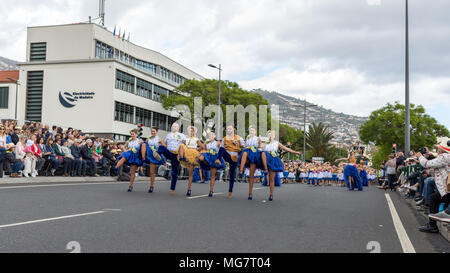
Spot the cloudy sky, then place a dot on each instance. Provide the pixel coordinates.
(347, 55)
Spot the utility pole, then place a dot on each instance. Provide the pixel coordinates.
(407, 103)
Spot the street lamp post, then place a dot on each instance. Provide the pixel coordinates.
(219, 127)
(407, 104)
(16, 82)
(305, 106)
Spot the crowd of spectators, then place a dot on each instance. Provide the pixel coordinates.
(423, 177)
(35, 149)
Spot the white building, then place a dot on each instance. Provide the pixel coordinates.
(82, 76)
(8, 90)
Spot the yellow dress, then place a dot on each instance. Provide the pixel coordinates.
(190, 153)
(233, 146)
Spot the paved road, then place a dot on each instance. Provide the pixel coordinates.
(103, 217)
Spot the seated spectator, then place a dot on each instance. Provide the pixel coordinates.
(110, 159)
(40, 161)
(68, 158)
(87, 156)
(13, 165)
(55, 161)
(441, 169)
(79, 164)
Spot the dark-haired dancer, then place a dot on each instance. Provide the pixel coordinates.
(251, 158)
(173, 142)
(153, 155)
(211, 160)
(271, 160)
(132, 156)
(229, 151)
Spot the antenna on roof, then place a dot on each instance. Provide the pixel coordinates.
(101, 12)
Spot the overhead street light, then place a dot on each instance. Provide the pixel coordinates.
(219, 126)
(305, 106)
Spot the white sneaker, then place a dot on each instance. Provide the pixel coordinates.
(25, 175)
(33, 175)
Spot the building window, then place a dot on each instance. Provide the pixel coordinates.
(125, 81)
(144, 89)
(124, 113)
(103, 51)
(159, 92)
(35, 87)
(38, 51)
(160, 121)
(143, 117)
(120, 137)
(4, 97)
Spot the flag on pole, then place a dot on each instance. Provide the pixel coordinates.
(114, 33)
(119, 33)
(128, 37)
(123, 37)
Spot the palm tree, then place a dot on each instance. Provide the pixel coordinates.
(318, 139)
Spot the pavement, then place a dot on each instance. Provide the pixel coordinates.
(95, 216)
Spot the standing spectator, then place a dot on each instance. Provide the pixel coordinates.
(391, 170)
(109, 158)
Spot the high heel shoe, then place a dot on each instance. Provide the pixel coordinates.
(130, 189)
(189, 193)
(271, 198)
(151, 190)
(211, 194)
(250, 196)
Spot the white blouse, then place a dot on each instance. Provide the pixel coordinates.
(154, 142)
(133, 144)
(252, 142)
(192, 143)
(173, 141)
(212, 146)
(272, 147)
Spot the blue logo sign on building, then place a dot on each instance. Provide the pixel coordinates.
(70, 100)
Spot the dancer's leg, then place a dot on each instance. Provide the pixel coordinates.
(132, 175)
(213, 180)
(251, 179)
(243, 161)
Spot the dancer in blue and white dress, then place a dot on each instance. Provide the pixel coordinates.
(250, 158)
(153, 155)
(132, 156)
(271, 160)
(211, 160)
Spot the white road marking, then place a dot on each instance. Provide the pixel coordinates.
(407, 246)
(52, 219)
(206, 195)
(74, 184)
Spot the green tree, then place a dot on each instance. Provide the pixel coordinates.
(386, 127)
(335, 153)
(318, 139)
(292, 136)
(231, 94)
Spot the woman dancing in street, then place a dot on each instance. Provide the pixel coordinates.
(251, 158)
(210, 160)
(132, 156)
(153, 155)
(271, 159)
(189, 155)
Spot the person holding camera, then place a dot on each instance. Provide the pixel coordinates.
(441, 168)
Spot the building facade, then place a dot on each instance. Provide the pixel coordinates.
(82, 76)
(8, 81)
